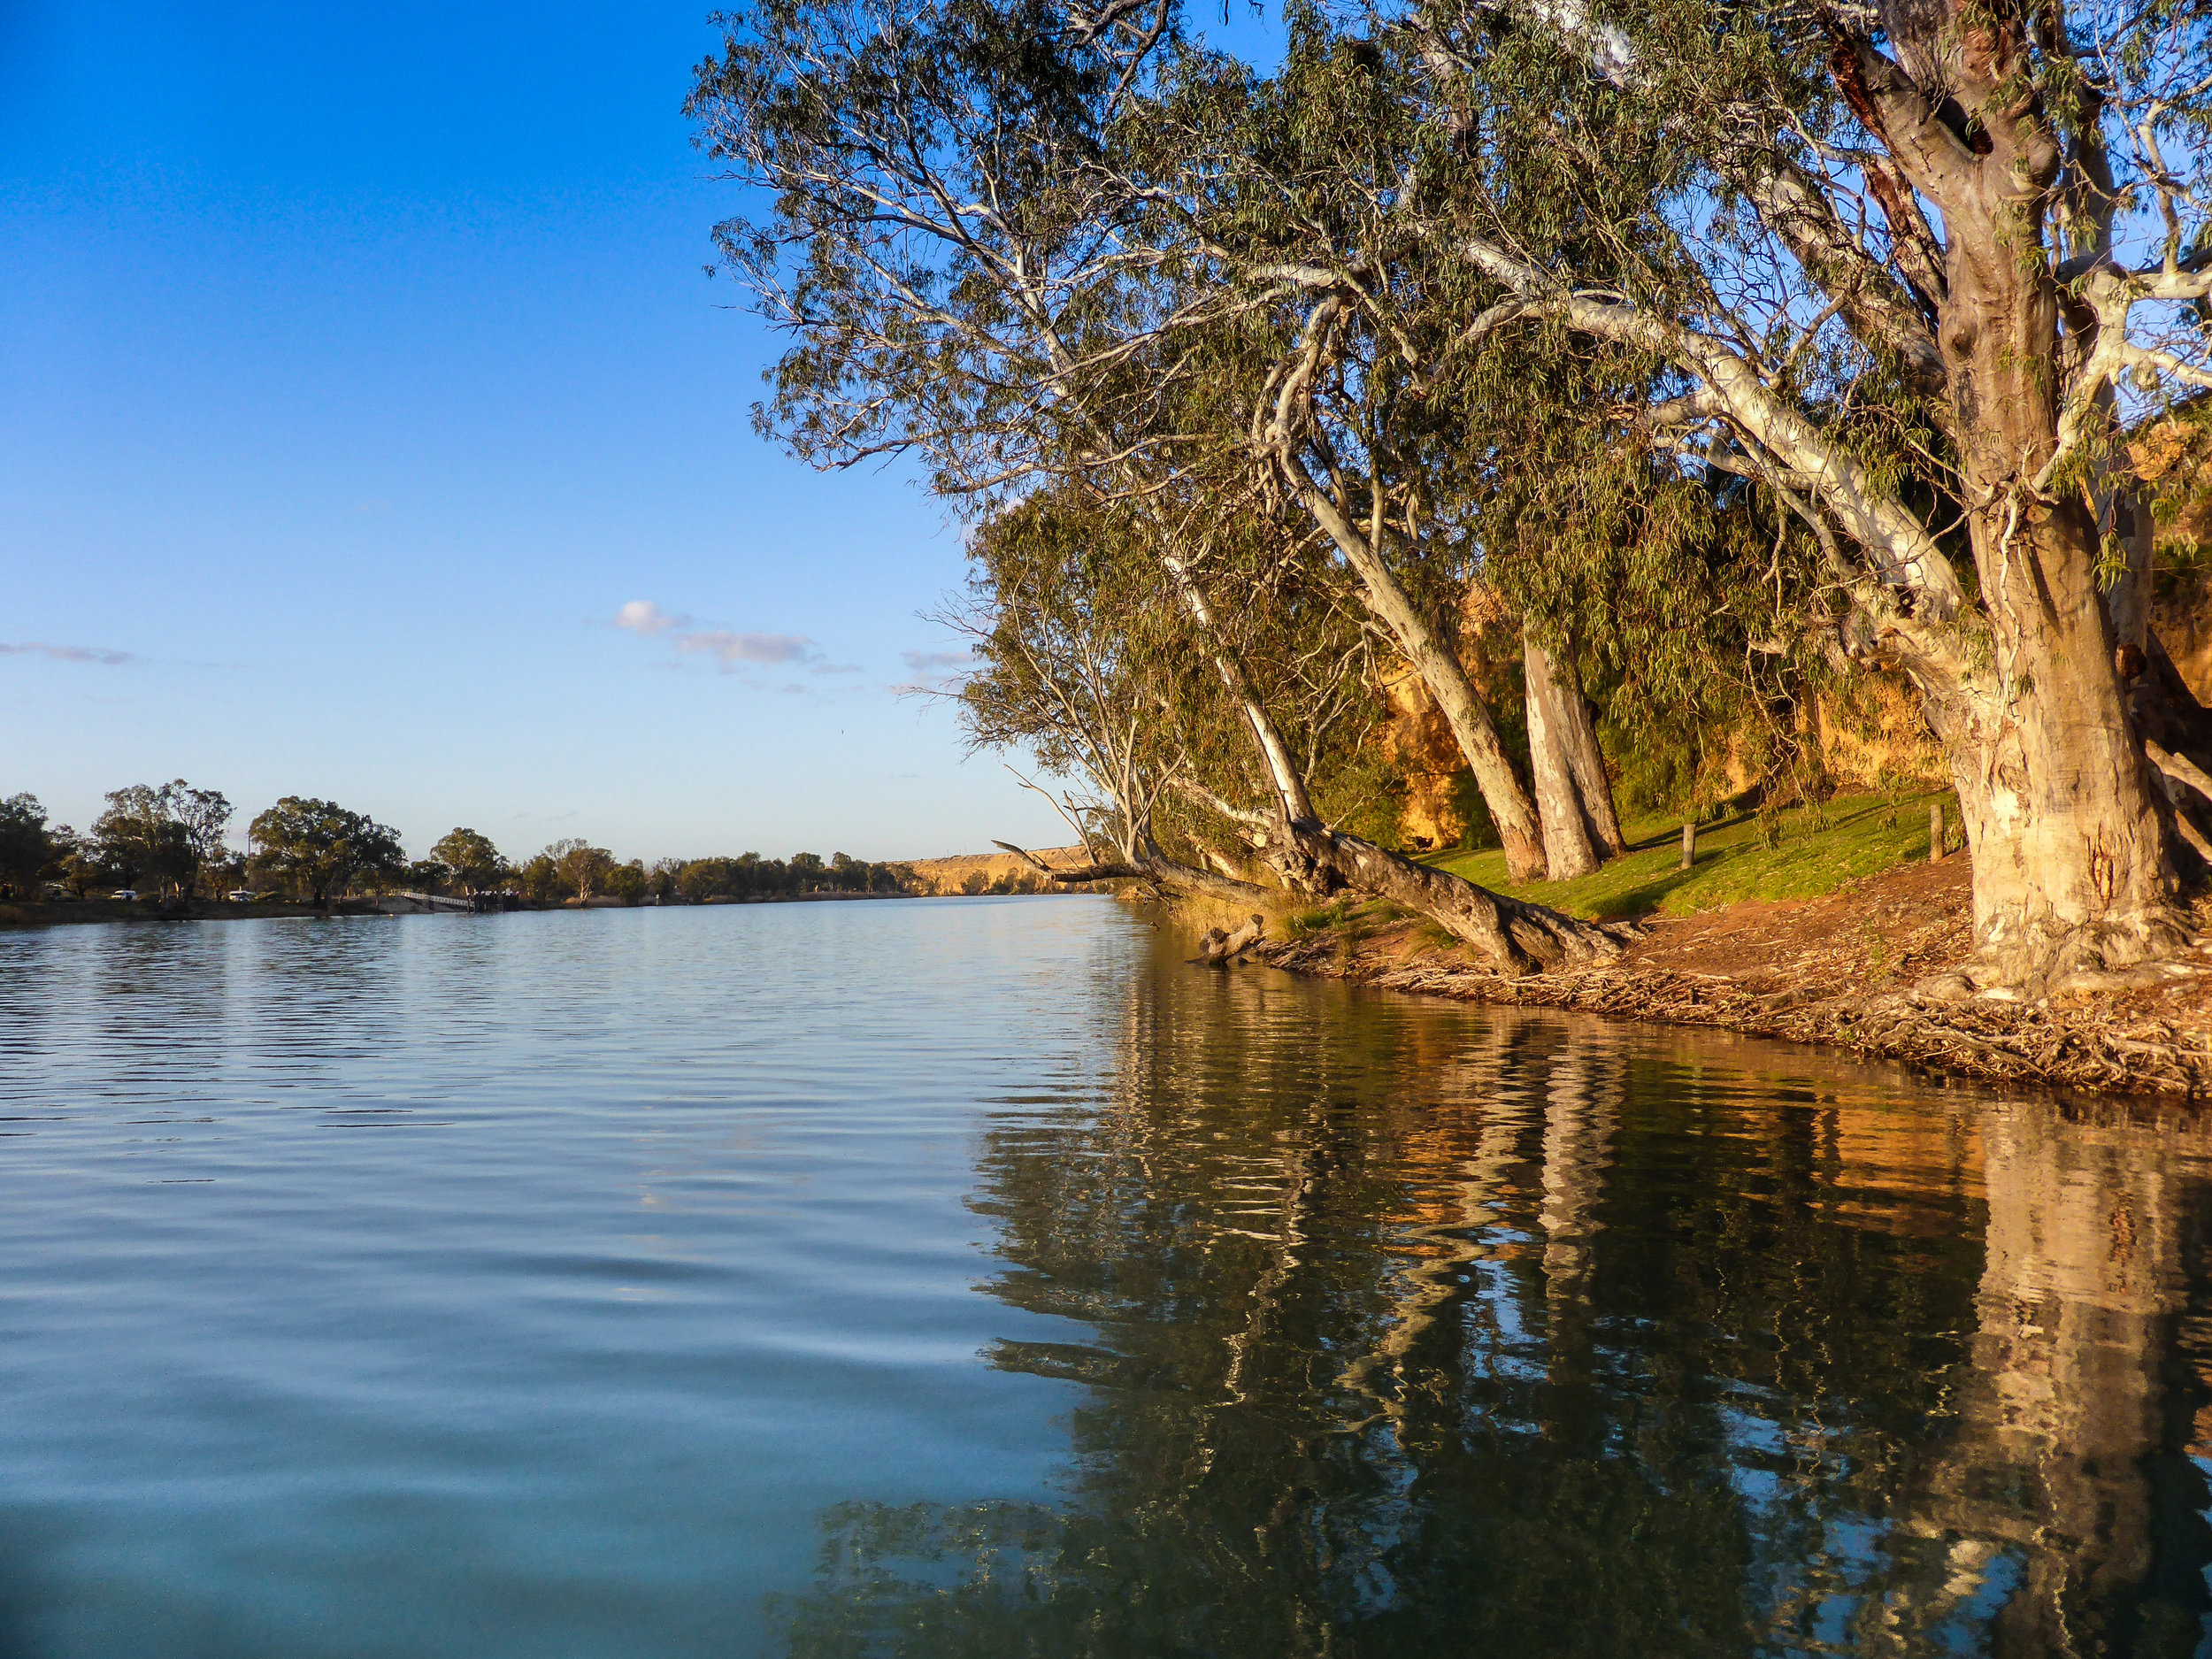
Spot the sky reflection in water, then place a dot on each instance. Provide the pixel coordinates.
(973, 1277)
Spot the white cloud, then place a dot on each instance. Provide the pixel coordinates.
(730, 649)
(643, 616)
(68, 653)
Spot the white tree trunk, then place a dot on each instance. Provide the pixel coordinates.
(1568, 850)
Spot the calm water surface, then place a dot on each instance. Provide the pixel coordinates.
(973, 1277)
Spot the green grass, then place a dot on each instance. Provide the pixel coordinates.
(1864, 833)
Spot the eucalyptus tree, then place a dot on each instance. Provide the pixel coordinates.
(1292, 191)
(952, 257)
(1082, 667)
(471, 857)
(322, 849)
(165, 834)
(1085, 665)
(1930, 256)
(26, 845)
(955, 250)
(581, 868)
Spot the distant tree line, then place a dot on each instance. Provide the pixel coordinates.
(169, 842)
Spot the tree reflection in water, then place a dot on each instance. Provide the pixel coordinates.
(1431, 1331)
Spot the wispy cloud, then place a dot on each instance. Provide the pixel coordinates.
(937, 662)
(935, 672)
(730, 649)
(762, 650)
(67, 653)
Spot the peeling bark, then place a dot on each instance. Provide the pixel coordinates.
(1567, 849)
(2073, 884)
(1574, 798)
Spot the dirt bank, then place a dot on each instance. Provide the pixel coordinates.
(1837, 970)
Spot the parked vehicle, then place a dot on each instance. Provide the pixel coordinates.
(240, 895)
(123, 893)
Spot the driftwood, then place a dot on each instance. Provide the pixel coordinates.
(1217, 948)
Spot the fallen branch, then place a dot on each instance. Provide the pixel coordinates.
(1165, 872)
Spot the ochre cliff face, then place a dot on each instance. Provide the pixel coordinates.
(1871, 736)
(1418, 740)
(977, 873)
(2172, 458)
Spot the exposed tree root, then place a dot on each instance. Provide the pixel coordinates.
(2048, 961)
(1977, 1039)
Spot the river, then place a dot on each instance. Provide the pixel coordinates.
(973, 1277)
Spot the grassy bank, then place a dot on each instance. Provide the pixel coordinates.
(1815, 851)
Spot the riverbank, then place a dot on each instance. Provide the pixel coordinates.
(60, 912)
(1846, 969)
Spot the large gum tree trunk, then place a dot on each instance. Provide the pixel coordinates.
(1574, 798)
(2073, 883)
(1593, 787)
(1526, 848)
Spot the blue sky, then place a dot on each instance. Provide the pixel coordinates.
(359, 369)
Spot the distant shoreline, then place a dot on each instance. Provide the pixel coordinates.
(66, 911)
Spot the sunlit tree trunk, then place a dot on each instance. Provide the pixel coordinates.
(1574, 800)
(2072, 878)
(1515, 815)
